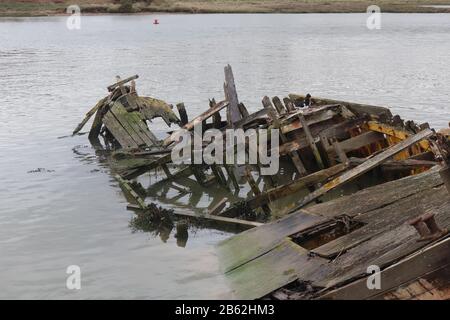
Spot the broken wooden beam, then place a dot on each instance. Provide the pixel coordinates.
(89, 114)
(197, 120)
(364, 167)
(208, 220)
(285, 190)
(216, 209)
(121, 82)
(359, 141)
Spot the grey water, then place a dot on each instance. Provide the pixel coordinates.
(60, 206)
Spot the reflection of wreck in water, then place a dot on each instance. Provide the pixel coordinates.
(357, 187)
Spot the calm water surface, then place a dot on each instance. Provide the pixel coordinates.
(72, 212)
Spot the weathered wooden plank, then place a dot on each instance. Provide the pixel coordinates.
(210, 220)
(399, 164)
(216, 209)
(360, 141)
(357, 108)
(276, 123)
(285, 190)
(395, 132)
(128, 124)
(311, 141)
(279, 105)
(122, 82)
(119, 133)
(182, 112)
(310, 120)
(382, 220)
(270, 271)
(340, 153)
(250, 244)
(340, 130)
(377, 196)
(133, 122)
(143, 129)
(395, 275)
(197, 120)
(366, 166)
(260, 114)
(89, 114)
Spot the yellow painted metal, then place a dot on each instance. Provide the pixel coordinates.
(395, 132)
(395, 135)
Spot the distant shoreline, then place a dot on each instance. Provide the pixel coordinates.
(36, 8)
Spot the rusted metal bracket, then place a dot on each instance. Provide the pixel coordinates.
(427, 227)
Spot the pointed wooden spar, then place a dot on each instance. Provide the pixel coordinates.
(233, 113)
(199, 119)
(366, 166)
(89, 114)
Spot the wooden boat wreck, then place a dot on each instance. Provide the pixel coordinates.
(359, 191)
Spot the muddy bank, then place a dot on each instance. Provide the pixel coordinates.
(58, 7)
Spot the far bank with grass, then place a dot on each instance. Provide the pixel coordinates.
(58, 7)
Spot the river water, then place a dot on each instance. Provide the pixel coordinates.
(59, 205)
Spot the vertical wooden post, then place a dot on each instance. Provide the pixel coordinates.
(182, 113)
(294, 155)
(198, 174)
(289, 105)
(217, 172)
(230, 172)
(255, 188)
(311, 141)
(278, 105)
(166, 170)
(339, 152)
(216, 118)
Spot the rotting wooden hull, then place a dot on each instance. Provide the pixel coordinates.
(316, 250)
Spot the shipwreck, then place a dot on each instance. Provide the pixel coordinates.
(358, 189)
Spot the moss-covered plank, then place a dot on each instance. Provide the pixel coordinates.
(129, 124)
(250, 244)
(282, 265)
(119, 133)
